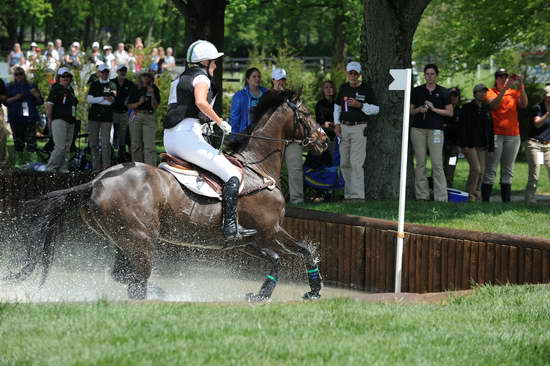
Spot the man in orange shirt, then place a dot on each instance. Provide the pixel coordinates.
(504, 100)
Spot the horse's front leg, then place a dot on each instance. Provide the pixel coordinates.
(270, 279)
(313, 274)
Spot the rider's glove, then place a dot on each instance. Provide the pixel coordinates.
(226, 127)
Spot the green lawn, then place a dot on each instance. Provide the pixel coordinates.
(494, 326)
(515, 218)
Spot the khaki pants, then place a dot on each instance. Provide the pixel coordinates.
(295, 168)
(120, 120)
(424, 140)
(476, 157)
(353, 150)
(142, 137)
(62, 133)
(533, 149)
(506, 151)
(4, 133)
(101, 154)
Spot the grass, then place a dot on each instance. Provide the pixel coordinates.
(515, 218)
(496, 325)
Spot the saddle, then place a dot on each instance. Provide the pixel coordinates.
(205, 183)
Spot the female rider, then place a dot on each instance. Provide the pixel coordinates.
(189, 105)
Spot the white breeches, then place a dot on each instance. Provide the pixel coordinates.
(185, 141)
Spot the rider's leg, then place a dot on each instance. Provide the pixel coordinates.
(231, 228)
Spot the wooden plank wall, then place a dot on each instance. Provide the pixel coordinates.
(363, 258)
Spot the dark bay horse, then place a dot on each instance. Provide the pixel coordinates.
(135, 206)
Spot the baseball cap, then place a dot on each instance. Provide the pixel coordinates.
(75, 44)
(107, 47)
(95, 45)
(547, 91)
(103, 67)
(121, 68)
(353, 66)
(50, 43)
(63, 70)
(501, 72)
(480, 87)
(278, 74)
(33, 44)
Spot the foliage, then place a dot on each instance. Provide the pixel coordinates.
(492, 326)
(461, 34)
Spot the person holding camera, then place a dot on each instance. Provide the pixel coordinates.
(101, 96)
(120, 111)
(504, 100)
(430, 107)
(143, 101)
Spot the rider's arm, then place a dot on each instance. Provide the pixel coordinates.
(201, 101)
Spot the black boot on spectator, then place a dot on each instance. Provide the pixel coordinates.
(486, 190)
(505, 192)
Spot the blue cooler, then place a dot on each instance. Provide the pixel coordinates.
(456, 195)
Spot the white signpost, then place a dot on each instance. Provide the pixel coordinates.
(402, 81)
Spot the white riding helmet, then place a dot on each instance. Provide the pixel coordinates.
(202, 51)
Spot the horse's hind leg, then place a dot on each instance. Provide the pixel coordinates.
(121, 267)
(270, 279)
(313, 274)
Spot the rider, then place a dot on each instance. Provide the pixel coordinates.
(189, 105)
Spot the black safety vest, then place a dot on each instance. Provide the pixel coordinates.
(182, 98)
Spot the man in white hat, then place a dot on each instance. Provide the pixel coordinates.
(278, 79)
(101, 96)
(109, 57)
(95, 55)
(355, 103)
(31, 54)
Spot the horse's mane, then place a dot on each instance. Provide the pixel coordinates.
(267, 104)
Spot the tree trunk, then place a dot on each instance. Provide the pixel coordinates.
(389, 28)
(205, 20)
(340, 46)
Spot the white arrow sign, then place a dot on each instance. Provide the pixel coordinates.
(399, 79)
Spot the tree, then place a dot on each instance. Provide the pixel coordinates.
(20, 13)
(389, 27)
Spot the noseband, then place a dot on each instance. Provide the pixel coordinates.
(299, 121)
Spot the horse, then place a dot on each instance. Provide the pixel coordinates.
(135, 206)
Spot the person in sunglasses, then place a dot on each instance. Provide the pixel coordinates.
(61, 113)
(22, 99)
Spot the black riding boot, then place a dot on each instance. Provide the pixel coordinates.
(486, 190)
(231, 228)
(505, 192)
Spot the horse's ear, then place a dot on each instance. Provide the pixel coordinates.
(297, 95)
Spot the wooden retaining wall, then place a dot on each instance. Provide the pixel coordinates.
(359, 252)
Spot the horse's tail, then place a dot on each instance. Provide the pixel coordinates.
(44, 218)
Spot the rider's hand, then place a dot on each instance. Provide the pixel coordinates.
(226, 127)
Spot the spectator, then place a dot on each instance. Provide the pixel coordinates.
(96, 56)
(504, 102)
(294, 152)
(169, 60)
(4, 132)
(131, 60)
(160, 62)
(450, 133)
(22, 99)
(538, 146)
(355, 103)
(154, 61)
(31, 54)
(72, 58)
(430, 105)
(476, 138)
(52, 57)
(138, 54)
(23, 64)
(124, 88)
(121, 56)
(60, 49)
(245, 99)
(61, 112)
(144, 100)
(14, 57)
(100, 119)
(109, 58)
(324, 115)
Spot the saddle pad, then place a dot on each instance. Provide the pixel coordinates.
(192, 180)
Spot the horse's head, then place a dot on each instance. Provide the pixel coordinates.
(303, 129)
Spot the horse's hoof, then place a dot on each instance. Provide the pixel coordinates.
(312, 295)
(256, 299)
